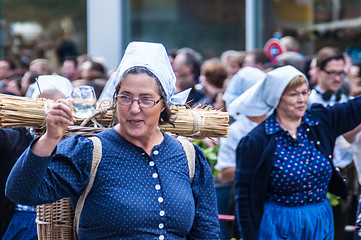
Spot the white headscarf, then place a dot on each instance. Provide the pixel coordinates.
(264, 96)
(50, 82)
(154, 57)
(240, 82)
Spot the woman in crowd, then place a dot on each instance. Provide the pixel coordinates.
(142, 188)
(284, 166)
(213, 75)
(92, 74)
(13, 141)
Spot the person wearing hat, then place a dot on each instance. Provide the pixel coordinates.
(56, 85)
(226, 159)
(284, 165)
(17, 221)
(142, 189)
(240, 82)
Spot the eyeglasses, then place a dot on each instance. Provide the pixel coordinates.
(298, 94)
(334, 74)
(145, 102)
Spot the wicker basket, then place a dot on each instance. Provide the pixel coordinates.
(55, 220)
(58, 220)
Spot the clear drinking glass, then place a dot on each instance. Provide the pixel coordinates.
(84, 101)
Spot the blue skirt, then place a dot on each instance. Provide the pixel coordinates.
(22, 227)
(309, 222)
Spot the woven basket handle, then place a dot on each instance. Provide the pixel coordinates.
(97, 156)
(191, 155)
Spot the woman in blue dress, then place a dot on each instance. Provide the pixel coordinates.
(142, 189)
(284, 166)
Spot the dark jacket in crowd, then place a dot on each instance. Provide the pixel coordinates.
(13, 141)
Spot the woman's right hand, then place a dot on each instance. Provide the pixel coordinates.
(58, 117)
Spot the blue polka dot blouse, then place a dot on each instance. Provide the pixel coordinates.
(134, 196)
(300, 173)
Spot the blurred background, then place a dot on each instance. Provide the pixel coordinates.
(33, 29)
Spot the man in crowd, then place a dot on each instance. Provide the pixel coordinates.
(330, 73)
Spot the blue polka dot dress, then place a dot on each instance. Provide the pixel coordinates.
(134, 196)
(297, 205)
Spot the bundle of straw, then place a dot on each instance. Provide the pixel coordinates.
(196, 122)
(19, 111)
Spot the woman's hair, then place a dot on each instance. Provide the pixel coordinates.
(53, 94)
(295, 82)
(237, 58)
(166, 114)
(290, 43)
(94, 70)
(45, 66)
(215, 72)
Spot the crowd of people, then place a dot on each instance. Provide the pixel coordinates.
(293, 144)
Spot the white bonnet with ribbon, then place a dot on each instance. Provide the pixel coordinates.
(52, 82)
(154, 57)
(263, 97)
(241, 81)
